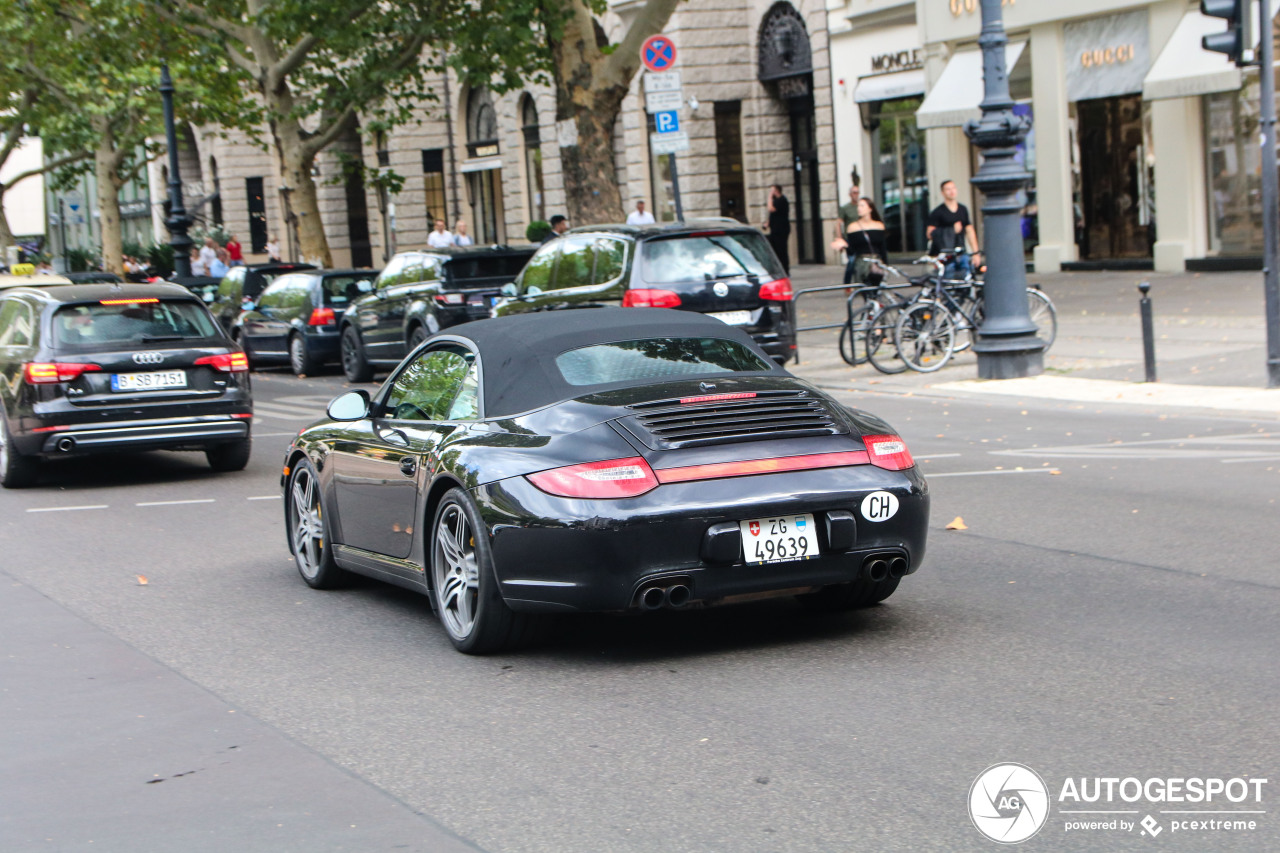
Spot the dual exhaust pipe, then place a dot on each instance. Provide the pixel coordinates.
(880, 567)
(657, 597)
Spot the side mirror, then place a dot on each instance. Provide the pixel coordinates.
(351, 406)
(533, 290)
(509, 289)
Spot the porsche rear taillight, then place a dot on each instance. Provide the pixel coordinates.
(227, 362)
(612, 478)
(750, 467)
(53, 372)
(778, 290)
(322, 316)
(888, 452)
(646, 297)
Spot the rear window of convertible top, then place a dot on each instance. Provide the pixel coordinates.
(656, 358)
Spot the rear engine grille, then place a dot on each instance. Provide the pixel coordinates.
(770, 414)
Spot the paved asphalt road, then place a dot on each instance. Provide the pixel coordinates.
(1118, 618)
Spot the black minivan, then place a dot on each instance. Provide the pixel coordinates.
(295, 320)
(94, 368)
(716, 267)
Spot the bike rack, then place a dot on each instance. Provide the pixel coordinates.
(848, 305)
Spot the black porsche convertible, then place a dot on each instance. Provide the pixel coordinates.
(601, 460)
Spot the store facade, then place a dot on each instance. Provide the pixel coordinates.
(1139, 151)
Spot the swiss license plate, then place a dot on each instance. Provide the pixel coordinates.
(779, 540)
(157, 381)
(733, 318)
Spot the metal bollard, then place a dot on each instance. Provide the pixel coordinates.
(1148, 331)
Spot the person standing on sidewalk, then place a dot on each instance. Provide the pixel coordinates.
(779, 225)
(950, 231)
(440, 238)
(866, 239)
(640, 216)
(848, 216)
(235, 251)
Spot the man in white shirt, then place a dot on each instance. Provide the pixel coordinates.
(640, 216)
(209, 253)
(460, 235)
(440, 238)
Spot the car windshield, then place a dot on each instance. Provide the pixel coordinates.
(656, 358)
(98, 325)
(708, 255)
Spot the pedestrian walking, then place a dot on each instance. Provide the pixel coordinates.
(209, 253)
(273, 250)
(221, 263)
(234, 251)
(460, 235)
(865, 238)
(778, 224)
(559, 225)
(640, 216)
(950, 231)
(198, 266)
(440, 238)
(848, 216)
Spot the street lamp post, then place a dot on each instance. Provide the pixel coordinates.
(1007, 346)
(178, 221)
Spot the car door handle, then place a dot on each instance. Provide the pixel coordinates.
(408, 466)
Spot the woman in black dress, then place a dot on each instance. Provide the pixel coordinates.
(865, 238)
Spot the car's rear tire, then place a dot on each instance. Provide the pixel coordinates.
(309, 532)
(416, 337)
(355, 365)
(471, 610)
(16, 471)
(300, 360)
(232, 456)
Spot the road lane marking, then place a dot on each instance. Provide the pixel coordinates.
(984, 473)
(66, 508)
(264, 498)
(937, 455)
(177, 503)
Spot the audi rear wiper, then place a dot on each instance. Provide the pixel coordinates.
(150, 339)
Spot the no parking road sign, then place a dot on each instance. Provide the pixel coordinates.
(658, 53)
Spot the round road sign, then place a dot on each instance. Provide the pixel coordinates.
(658, 53)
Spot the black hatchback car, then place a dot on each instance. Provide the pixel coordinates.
(418, 294)
(242, 285)
(715, 267)
(296, 319)
(91, 368)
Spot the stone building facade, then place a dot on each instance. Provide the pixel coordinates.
(756, 79)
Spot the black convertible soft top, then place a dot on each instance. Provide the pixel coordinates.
(518, 353)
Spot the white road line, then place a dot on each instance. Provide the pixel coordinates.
(66, 508)
(176, 503)
(264, 498)
(984, 473)
(938, 455)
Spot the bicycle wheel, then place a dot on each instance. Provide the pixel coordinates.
(882, 349)
(1043, 314)
(926, 336)
(853, 334)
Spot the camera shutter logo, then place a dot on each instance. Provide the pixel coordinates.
(1008, 803)
(148, 357)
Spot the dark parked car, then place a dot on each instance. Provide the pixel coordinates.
(93, 277)
(203, 286)
(92, 368)
(602, 460)
(241, 285)
(296, 319)
(715, 267)
(418, 294)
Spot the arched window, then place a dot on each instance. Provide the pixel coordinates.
(482, 124)
(532, 134)
(483, 168)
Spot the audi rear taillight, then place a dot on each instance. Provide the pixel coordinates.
(888, 452)
(778, 290)
(322, 316)
(227, 362)
(53, 372)
(612, 478)
(644, 297)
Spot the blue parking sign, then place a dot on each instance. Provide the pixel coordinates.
(667, 121)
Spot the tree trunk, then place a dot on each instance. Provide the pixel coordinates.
(6, 236)
(296, 161)
(106, 163)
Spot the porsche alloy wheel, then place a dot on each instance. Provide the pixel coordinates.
(308, 532)
(471, 610)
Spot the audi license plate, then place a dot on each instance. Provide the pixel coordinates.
(158, 381)
(733, 318)
(779, 540)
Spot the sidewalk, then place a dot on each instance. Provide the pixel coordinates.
(1210, 343)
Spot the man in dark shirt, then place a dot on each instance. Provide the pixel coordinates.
(779, 225)
(950, 230)
(848, 216)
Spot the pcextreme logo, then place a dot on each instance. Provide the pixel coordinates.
(1009, 803)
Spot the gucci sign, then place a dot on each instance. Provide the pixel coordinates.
(1106, 56)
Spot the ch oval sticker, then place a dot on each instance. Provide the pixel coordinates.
(879, 506)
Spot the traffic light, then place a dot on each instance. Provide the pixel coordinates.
(1237, 41)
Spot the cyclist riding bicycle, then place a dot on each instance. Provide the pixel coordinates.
(950, 231)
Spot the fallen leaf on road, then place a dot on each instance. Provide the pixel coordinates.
(142, 580)
(1055, 472)
(958, 524)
